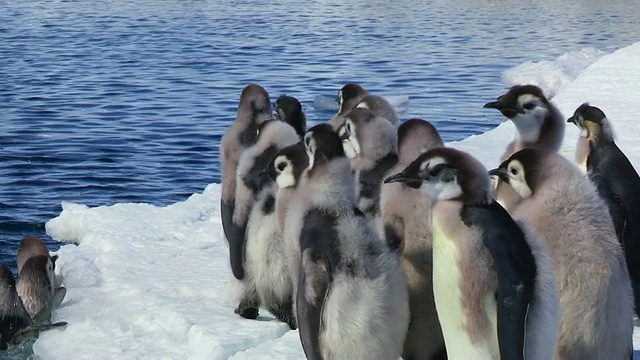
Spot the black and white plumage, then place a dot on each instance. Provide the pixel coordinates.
(254, 109)
(351, 294)
(564, 209)
(260, 244)
(493, 285)
(405, 225)
(370, 142)
(539, 124)
(617, 182)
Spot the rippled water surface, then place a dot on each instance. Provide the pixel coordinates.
(125, 101)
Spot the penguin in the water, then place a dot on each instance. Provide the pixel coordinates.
(539, 125)
(493, 285)
(254, 109)
(289, 110)
(352, 294)
(617, 182)
(370, 142)
(405, 226)
(348, 97)
(262, 256)
(14, 319)
(563, 207)
(379, 106)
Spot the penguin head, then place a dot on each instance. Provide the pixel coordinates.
(447, 174)
(526, 106)
(349, 96)
(288, 165)
(289, 110)
(524, 170)
(322, 144)
(366, 135)
(255, 99)
(415, 137)
(592, 122)
(275, 132)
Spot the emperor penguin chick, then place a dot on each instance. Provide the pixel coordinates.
(493, 285)
(564, 208)
(14, 319)
(352, 295)
(617, 182)
(405, 225)
(256, 244)
(380, 107)
(348, 97)
(539, 124)
(287, 169)
(371, 143)
(31, 246)
(254, 109)
(36, 283)
(289, 110)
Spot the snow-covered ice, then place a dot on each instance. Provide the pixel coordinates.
(147, 282)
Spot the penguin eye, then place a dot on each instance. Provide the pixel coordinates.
(514, 171)
(281, 166)
(529, 106)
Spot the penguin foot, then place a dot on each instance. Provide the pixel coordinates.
(284, 313)
(246, 312)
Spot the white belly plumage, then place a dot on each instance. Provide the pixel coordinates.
(448, 299)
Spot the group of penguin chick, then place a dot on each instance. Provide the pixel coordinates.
(26, 308)
(377, 242)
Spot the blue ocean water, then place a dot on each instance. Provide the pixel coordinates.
(114, 101)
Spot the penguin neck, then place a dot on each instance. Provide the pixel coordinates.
(332, 184)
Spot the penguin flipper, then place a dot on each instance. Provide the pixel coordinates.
(516, 270)
(313, 286)
(226, 215)
(45, 314)
(253, 180)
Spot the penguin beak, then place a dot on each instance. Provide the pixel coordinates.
(344, 136)
(501, 173)
(572, 120)
(505, 110)
(493, 105)
(411, 181)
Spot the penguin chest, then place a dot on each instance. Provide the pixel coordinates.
(455, 315)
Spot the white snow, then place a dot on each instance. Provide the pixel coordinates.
(147, 282)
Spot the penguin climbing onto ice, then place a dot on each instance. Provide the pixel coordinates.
(14, 319)
(405, 226)
(493, 284)
(370, 142)
(539, 124)
(617, 182)
(257, 239)
(352, 295)
(289, 110)
(254, 109)
(563, 207)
